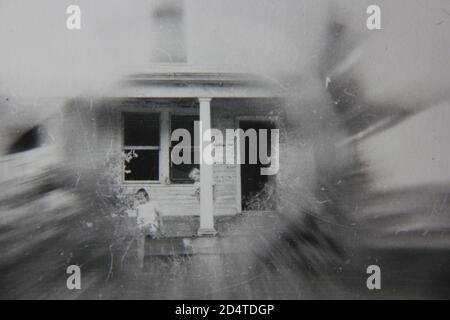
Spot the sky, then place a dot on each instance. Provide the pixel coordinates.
(414, 153)
(406, 61)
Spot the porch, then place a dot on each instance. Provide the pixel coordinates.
(176, 99)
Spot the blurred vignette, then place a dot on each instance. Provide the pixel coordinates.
(364, 172)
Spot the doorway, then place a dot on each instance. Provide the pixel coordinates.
(258, 192)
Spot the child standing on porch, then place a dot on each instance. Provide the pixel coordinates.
(148, 222)
(194, 175)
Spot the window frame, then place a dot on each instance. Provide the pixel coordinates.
(186, 181)
(149, 147)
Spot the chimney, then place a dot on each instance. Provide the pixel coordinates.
(168, 41)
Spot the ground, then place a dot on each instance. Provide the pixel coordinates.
(234, 268)
(44, 228)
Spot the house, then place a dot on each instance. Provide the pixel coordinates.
(142, 114)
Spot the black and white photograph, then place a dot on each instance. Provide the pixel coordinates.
(224, 150)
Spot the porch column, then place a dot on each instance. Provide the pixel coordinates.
(206, 175)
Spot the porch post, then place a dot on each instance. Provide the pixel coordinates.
(206, 175)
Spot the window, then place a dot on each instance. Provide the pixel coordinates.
(180, 173)
(141, 141)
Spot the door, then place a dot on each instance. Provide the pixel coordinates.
(258, 192)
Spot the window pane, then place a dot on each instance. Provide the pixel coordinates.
(144, 167)
(184, 122)
(180, 173)
(141, 129)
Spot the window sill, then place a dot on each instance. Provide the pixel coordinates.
(156, 182)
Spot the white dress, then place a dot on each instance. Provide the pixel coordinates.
(147, 216)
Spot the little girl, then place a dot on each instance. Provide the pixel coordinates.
(194, 175)
(148, 222)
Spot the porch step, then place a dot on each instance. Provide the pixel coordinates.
(196, 246)
(235, 234)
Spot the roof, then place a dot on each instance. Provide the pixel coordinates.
(181, 80)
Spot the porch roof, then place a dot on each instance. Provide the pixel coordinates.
(185, 81)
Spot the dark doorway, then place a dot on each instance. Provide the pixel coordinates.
(257, 190)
